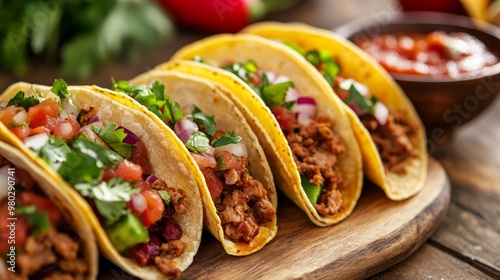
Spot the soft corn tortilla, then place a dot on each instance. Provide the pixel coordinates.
(358, 65)
(271, 56)
(189, 90)
(71, 215)
(169, 159)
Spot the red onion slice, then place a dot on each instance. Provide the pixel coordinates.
(305, 107)
(184, 128)
(381, 113)
(238, 149)
(95, 119)
(291, 94)
(151, 179)
(131, 138)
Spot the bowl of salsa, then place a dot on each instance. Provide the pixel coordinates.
(448, 65)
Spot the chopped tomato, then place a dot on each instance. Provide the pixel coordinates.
(255, 80)
(139, 157)
(40, 114)
(21, 132)
(129, 171)
(42, 204)
(204, 160)
(230, 160)
(7, 114)
(213, 183)
(40, 129)
(285, 118)
(66, 129)
(155, 207)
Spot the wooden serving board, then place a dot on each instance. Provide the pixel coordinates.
(379, 234)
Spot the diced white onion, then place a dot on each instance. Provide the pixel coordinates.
(274, 78)
(69, 109)
(139, 203)
(238, 149)
(184, 128)
(346, 84)
(381, 113)
(4, 177)
(20, 117)
(291, 94)
(304, 119)
(36, 141)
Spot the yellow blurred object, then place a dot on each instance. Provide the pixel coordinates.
(485, 10)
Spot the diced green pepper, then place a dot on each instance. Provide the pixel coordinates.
(127, 232)
(312, 191)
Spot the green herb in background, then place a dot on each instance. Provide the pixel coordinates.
(78, 34)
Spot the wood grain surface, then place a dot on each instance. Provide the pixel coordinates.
(380, 233)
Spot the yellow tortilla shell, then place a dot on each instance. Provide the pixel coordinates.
(271, 56)
(71, 215)
(169, 159)
(359, 66)
(189, 90)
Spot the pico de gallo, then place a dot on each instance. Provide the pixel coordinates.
(438, 53)
(43, 245)
(389, 132)
(316, 148)
(240, 200)
(108, 166)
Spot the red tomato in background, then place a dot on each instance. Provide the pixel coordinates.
(443, 6)
(210, 15)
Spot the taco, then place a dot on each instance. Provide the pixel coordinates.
(239, 197)
(129, 175)
(43, 236)
(304, 130)
(390, 133)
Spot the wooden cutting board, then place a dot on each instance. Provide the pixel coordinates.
(379, 234)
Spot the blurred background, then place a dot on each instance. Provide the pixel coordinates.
(88, 41)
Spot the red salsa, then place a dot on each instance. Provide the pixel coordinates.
(438, 53)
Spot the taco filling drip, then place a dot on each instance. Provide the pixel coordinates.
(315, 146)
(45, 247)
(389, 132)
(240, 200)
(108, 166)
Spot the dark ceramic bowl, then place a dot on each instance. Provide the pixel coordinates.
(443, 103)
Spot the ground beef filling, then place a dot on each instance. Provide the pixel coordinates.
(392, 141)
(243, 205)
(316, 149)
(51, 255)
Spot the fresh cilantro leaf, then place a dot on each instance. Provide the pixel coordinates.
(20, 100)
(54, 151)
(206, 123)
(165, 196)
(109, 197)
(102, 156)
(114, 139)
(173, 112)
(38, 220)
(79, 168)
(129, 89)
(274, 95)
(197, 142)
(158, 89)
(60, 88)
(228, 138)
(360, 101)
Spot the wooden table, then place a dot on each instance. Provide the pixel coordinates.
(467, 243)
